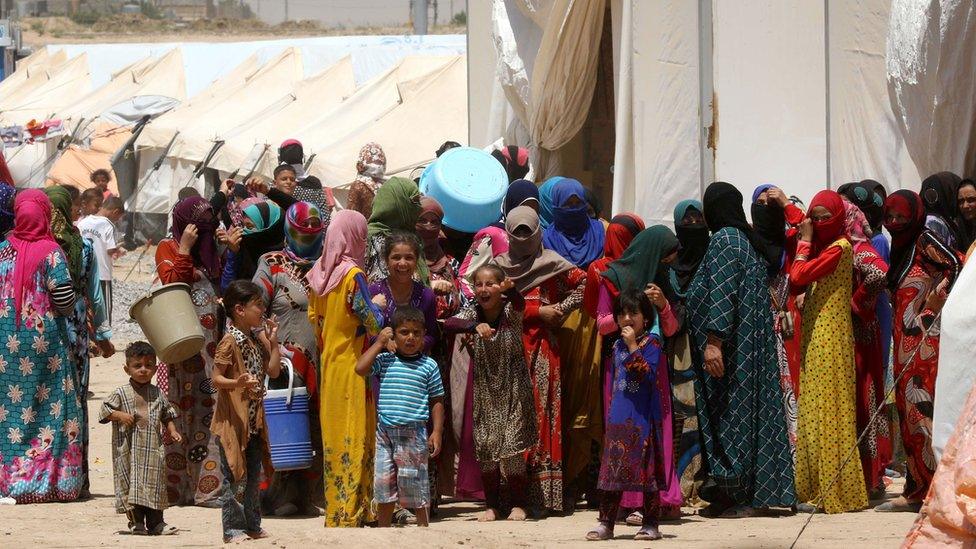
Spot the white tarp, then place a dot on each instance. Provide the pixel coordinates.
(58, 87)
(793, 94)
(434, 110)
(932, 81)
(317, 122)
(205, 62)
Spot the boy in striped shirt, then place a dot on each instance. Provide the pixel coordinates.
(411, 392)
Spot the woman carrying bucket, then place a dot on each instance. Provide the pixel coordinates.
(193, 475)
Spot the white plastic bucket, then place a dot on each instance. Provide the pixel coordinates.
(170, 321)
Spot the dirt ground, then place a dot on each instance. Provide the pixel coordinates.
(95, 524)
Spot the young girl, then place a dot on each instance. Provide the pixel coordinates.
(633, 453)
(503, 408)
(401, 253)
(247, 353)
(826, 426)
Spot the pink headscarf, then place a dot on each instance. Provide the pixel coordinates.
(856, 224)
(31, 238)
(344, 248)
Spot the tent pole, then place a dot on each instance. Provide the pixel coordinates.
(706, 93)
(826, 11)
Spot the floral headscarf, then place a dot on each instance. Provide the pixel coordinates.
(371, 166)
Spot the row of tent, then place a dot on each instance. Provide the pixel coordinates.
(142, 119)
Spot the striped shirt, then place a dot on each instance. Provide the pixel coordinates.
(406, 387)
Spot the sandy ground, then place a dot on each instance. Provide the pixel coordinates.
(95, 524)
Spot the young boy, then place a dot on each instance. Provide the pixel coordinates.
(91, 202)
(410, 388)
(100, 229)
(138, 412)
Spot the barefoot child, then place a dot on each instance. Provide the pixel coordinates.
(504, 409)
(138, 412)
(247, 353)
(410, 392)
(632, 459)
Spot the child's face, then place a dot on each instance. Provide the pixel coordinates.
(409, 337)
(487, 290)
(141, 368)
(633, 319)
(116, 215)
(91, 207)
(251, 314)
(402, 261)
(76, 208)
(285, 182)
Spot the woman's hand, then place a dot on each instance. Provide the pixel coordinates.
(188, 239)
(714, 364)
(380, 301)
(485, 331)
(442, 287)
(654, 293)
(258, 185)
(806, 230)
(551, 315)
(776, 196)
(106, 348)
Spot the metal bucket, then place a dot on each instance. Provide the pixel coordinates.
(170, 321)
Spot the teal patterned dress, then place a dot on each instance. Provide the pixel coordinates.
(40, 412)
(745, 449)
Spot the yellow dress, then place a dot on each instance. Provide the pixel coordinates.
(347, 410)
(827, 424)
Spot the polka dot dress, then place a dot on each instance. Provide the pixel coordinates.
(826, 427)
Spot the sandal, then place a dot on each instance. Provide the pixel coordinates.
(260, 534)
(236, 538)
(403, 517)
(601, 533)
(740, 511)
(163, 529)
(648, 533)
(895, 506)
(635, 519)
(138, 530)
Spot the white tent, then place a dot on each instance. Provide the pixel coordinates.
(317, 123)
(46, 92)
(433, 110)
(32, 65)
(746, 91)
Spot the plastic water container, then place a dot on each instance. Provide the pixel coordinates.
(470, 185)
(286, 411)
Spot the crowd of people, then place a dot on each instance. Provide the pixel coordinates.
(552, 358)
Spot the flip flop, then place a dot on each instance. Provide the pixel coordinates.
(648, 533)
(740, 511)
(892, 507)
(635, 519)
(138, 530)
(163, 529)
(601, 533)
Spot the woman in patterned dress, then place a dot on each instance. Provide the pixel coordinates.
(83, 268)
(370, 169)
(445, 283)
(189, 256)
(40, 409)
(923, 270)
(692, 233)
(342, 314)
(827, 423)
(745, 449)
(281, 277)
(870, 273)
(395, 208)
(552, 288)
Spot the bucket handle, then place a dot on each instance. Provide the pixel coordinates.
(285, 363)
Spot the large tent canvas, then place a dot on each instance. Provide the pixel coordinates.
(433, 110)
(317, 127)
